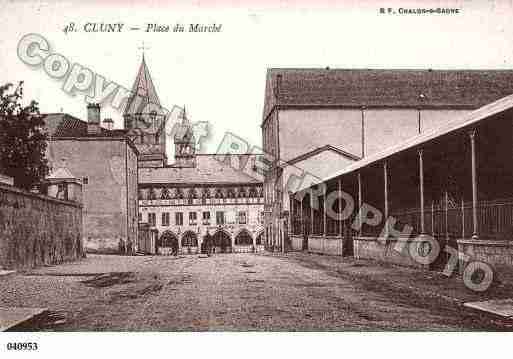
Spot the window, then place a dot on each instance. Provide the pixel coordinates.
(242, 217)
(85, 180)
(220, 218)
(62, 191)
(261, 218)
(165, 219)
(152, 219)
(165, 194)
(193, 218)
(206, 218)
(140, 217)
(179, 218)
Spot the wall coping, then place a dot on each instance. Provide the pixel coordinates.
(384, 240)
(482, 242)
(323, 237)
(41, 197)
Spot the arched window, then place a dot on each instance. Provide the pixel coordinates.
(253, 192)
(222, 240)
(219, 193)
(230, 193)
(242, 192)
(165, 194)
(205, 193)
(179, 193)
(167, 239)
(189, 239)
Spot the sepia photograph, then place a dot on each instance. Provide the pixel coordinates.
(256, 178)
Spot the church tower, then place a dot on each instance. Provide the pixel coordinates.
(185, 145)
(145, 121)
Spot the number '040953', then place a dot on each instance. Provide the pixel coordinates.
(22, 346)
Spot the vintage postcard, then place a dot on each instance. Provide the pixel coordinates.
(169, 169)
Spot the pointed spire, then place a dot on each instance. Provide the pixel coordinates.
(143, 92)
(184, 132)
(183, 115)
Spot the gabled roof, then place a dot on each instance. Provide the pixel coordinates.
(144, 96)
(389, 88)
(60, 125)
(318, 150)
(209, 169)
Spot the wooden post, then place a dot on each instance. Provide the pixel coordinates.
(433, 218)
(324, 224)
(446, 215)
(360, 203)
(385, 177)
(339, 214)
(301, 224)
(472, 135)
(292, 203)
(421, 180)
(311, 213)
(462, 218)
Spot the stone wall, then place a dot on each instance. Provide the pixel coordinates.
(388, 251)
(498, 254)
(296, 242)
(326, 245)
(38, 230)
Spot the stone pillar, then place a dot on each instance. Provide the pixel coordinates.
(472, 135)
(232, 238)
(179, 238)
(421, 180)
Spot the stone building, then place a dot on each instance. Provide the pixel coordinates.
(106, 163)
(319, 121)
(195, 195)
(129, 188)
(202, 195)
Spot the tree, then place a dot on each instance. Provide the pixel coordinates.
(22, 139)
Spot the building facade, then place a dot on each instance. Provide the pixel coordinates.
(202, 195)
(106, 163)
(196, 195)
(310, 114)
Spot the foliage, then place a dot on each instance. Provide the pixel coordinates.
(22, 139)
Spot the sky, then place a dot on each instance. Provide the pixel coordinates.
(220, 77)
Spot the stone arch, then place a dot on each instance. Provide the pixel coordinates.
(189, 239)
(243, 238)
(222, 240)
(168, 239)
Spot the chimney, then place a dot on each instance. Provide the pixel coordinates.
(108, 124)
(93, 119)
